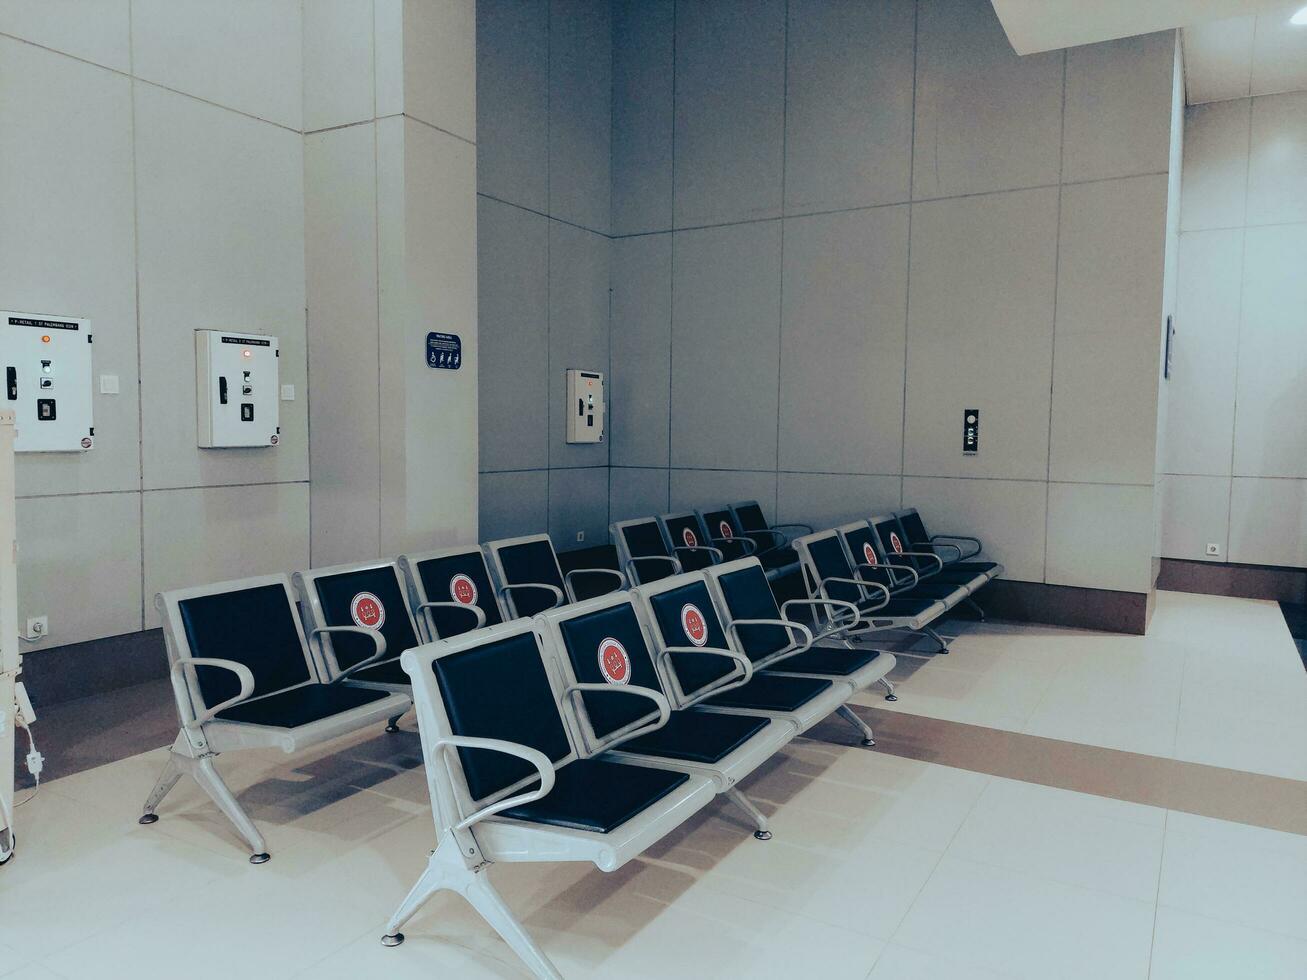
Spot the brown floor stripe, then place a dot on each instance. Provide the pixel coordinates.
(1209, 791)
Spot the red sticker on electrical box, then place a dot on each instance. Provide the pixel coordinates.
(692, 622)
(690, 539)
(895, 543)
(725, 529)
(367, 611)
(869, 553)
(463, 590)
(614, 663)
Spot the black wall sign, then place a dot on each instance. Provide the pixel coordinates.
(971, 431)
(444, 350)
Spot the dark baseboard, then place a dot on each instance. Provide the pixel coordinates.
(1241, 581)
(78, 670)
(1066, 605)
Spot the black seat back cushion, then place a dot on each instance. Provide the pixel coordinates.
(611, 637)
(863, 544)
(532, 561)
(588, 585)
(680, 611)
(829, 558)
(748, 596)
(500, 690)
(914, 529)
(372, 598)
(892, 545)
(685, 532)
(255, 627)
(460, 578)
(645, 540)
(722, 526)
(751, 518)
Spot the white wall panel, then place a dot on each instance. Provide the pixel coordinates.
(338, 63)
(578, 330)
(69, 242)
(1215, 165)
(701, 489)
(79, 562)
(848, 123)
(220, 233)
(725, 346)
(440, 64)
(642, 117)
(1195, 512)
(344, 414)
(641, 332)
(242, 54)
(1109, 322)
(636, 492)
(580, 112)
(980, 333)
(211, 534)
(826, 500)
(513, 504)
(94, 30)
(730, 112)
(1100, 536)
(986, 119)
(513, 101)
(1268, 522)
(1277, 165)
(578, 503)
(842, 341)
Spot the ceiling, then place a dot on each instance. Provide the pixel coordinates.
(1252, 55)
(1046, 25)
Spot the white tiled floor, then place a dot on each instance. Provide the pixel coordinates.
(882, 867)
(1216, 681)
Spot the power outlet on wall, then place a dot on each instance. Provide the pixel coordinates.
(38, 627)
(1213, 550)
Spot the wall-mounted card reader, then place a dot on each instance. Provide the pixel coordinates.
(970, 431)
(237, 383)
(47, 366)
(585, 406)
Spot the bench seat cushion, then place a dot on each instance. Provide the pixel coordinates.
(771, 692)
(697, 736)
(833, 661)
(300, 705)
(598, 796)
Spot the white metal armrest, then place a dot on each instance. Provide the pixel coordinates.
(960, 537)
(835, 604)
(778, 538)
(567, 579)
(750, 546)
(716, 552)
(378, 642)
(631, 567)
(922, 554)
(745, 663)
(891, 568)
(559, 598)
(574, 691)
(806, 527)
(184, 696)
(800, 636)
(862, 584)
(476, 610)
(534, 756)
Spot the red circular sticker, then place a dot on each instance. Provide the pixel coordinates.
(614, 663)
(869, 553)
(463, 590)
(694, 625)
(725, 529)
(367, 611)
(688, 536)
(895, 543)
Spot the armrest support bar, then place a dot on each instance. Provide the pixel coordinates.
(833, 605)
(184, 697)
(745, 663)
(427, 607)
(748, 544)
(923, 554)
(573, 692)
(571, 590)
(378, 642)
(891, 568)
(960, 537)
(861, 583)
(559, 598)
(800, 636)
(537, 758)
(632, 567)
(806, 527)
(717, 555)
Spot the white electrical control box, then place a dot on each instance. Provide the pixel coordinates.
(585, 406)
(47, 367)
(236, 381)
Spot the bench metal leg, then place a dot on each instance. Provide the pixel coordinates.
(392, 724)
(446, 869)
(750, 808)
(851, 716)
(976, 606)
(172, 771)
(889, 689)
(943, 644)
(206, 774)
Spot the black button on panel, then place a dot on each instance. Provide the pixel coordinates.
(45, 411)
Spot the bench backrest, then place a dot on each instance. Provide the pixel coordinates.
(823, 557)
(681, 613)
(642, 538)
(685, 531)
(749, 516)
(725, 532)
(451, 575)
(864, 546)
(893, 544)
(526, 559)
(742, 592)
(372, 595)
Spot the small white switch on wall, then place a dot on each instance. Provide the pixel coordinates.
(108, 384)
(288, 393)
